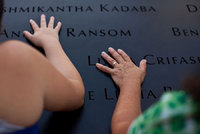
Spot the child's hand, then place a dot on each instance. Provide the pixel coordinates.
(44, 35)
(124, 72)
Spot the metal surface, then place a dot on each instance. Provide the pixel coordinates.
(166, 33)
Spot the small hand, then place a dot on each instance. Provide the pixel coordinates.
(124, 71)
(43, 35)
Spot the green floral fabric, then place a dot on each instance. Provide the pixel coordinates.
(175, 113)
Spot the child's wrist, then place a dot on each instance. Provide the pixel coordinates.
(50, 44)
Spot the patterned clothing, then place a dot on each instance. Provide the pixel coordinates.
(175, 113)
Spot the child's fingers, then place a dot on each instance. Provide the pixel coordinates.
(51, 22)
(34, 25)
(28, 35)
(58, 27)
(43, 22)
(104, 68)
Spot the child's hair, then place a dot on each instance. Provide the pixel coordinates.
(1, 10)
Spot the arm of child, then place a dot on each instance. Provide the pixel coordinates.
(47, 38)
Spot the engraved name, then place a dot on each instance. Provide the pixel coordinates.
(112, 95)
(185, 32)
(77, 9)
(156, 60)
(73, 32)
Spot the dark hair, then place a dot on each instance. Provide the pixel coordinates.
(192, 86)
(1, 9)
